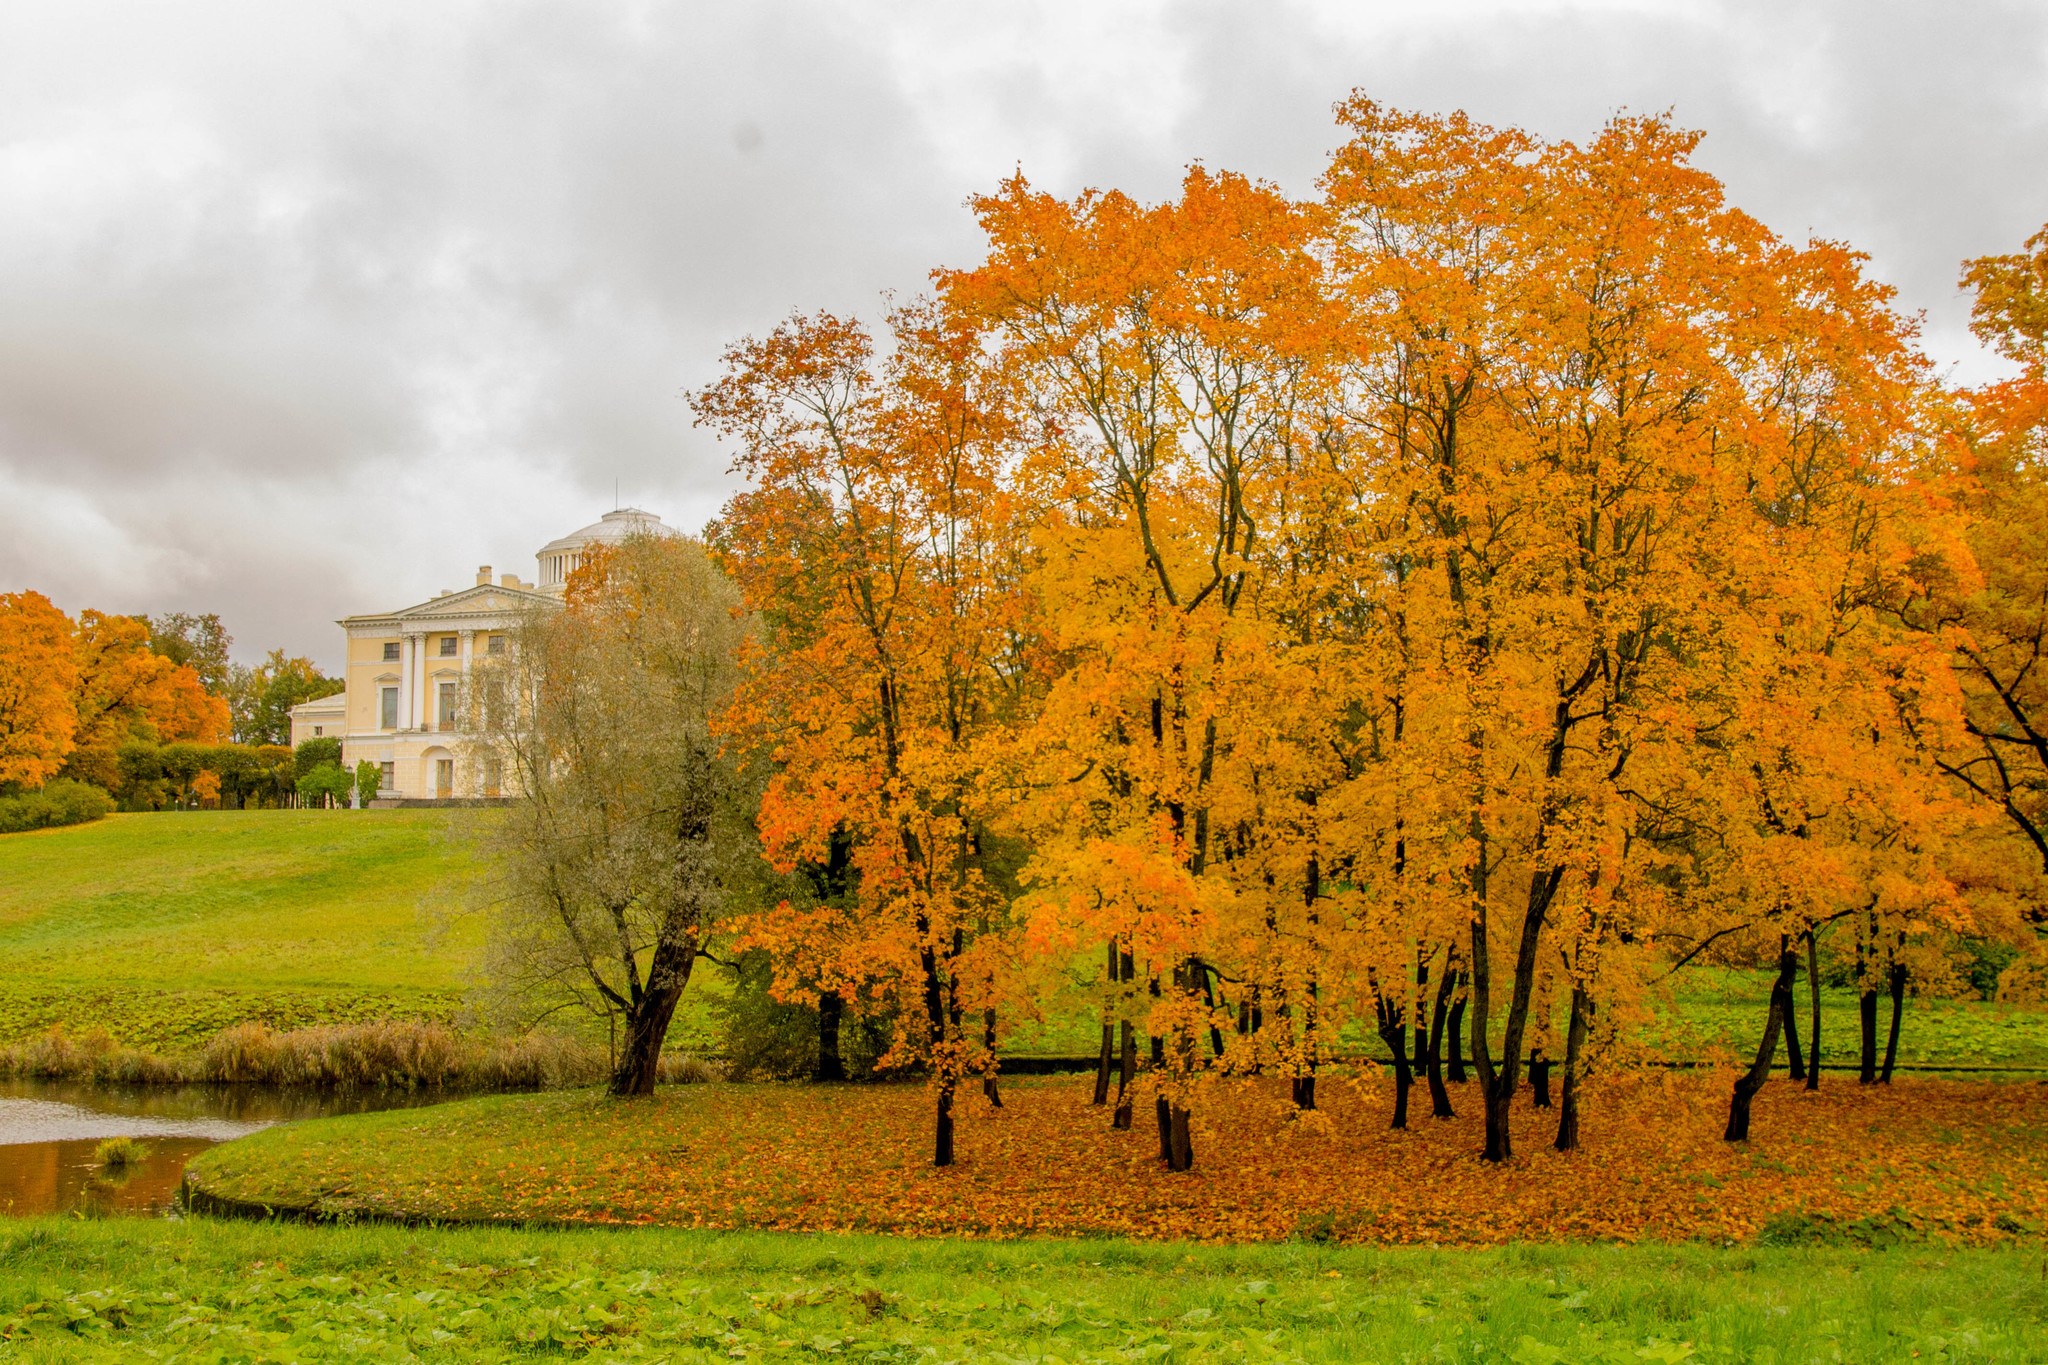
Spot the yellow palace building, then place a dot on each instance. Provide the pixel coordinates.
(408, 672)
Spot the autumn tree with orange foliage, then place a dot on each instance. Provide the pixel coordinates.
(125, 689)
(880, 543)
(1479, 584)
(38, 672)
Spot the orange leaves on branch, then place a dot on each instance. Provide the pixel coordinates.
(38, 672)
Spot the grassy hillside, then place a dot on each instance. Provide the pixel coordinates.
(164, 928)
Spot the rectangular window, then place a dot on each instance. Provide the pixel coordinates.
(387, 777)
(387, 708)
(496, 646)
(391, 651)
(494, 775)
(447, 646)
(447, 706)
(444, 776)
(319, 730)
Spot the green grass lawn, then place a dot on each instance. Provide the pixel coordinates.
(165, 928)
(205, 1291)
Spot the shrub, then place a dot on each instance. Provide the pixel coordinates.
(326, 780)
(369, 778)
(61, 802)
(769, 1039)
(119, 1153)
(316, 753)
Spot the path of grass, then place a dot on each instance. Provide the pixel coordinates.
(125, 1291)
(1935, 1159)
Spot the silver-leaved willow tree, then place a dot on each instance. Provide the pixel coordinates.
(612, 873)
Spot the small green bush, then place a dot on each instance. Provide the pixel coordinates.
(322, 752)
(119, 1153)
(62, 802)
(326, 780)
(768, 1039)
(369, 778)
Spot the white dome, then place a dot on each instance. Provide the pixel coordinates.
(559, 558)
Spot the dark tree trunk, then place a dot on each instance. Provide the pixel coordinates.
(1456, 1037)
(1102, 1064)
(1794, 1056)
(1539, 1078)
(1108, 1036)
(990, 1091)
(647, 1017)
(1209, 999)
(1813, 1034)
(942, 1135)
(1866, 1007)
(1759, 1071)
(1127, 1070)
(1421, 1024)
(1439, 1019)
(1180, 1154)
(1163, 1113)
(1394, 1036)
(1891, 1042)
(1574, 1070)
(831, 1066)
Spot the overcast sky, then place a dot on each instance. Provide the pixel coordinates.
(309, 310)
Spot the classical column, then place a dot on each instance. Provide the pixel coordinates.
(404, 717)
(462, 692)
(415, 707)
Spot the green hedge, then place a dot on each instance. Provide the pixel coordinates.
(62, 802)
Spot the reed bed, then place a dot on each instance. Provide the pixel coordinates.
(383, 1055)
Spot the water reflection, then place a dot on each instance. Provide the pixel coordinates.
(48, 1130)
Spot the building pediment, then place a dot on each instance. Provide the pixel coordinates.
(485, 600)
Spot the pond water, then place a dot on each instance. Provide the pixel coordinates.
(48, 1130)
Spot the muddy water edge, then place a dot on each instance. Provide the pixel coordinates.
(50, 1129)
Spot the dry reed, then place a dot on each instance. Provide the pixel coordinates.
(389, 1055)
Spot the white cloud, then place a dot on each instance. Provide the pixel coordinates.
(311, 309)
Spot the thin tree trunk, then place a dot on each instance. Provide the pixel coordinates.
(1395, 1037)
(990, 1091)
(1574, 1070)
(1866, 1007)
(1102, 1064)
(1440, 1018)
(1126, 1071)
(1759, 1071)
(1891, 1042)
(1813, 989)
(942, 1137)
(1422, 1026)
(1456, 1036)
(1108, 1036)
(831, 1008)
(1539, 1078)
(1797, 1059)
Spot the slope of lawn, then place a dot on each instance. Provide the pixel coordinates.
(164, 928)
(1959, 1161)
(199, 1290)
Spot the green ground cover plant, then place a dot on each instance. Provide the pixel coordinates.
(204, 1291)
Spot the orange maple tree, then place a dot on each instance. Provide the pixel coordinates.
(38, 672)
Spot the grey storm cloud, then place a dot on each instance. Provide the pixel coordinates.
(309, 310)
